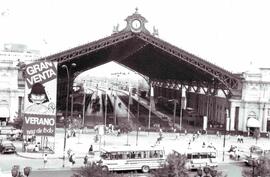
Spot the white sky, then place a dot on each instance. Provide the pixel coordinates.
(229, 33)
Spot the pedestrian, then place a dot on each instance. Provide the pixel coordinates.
(185, 131)
(217, 133)
(72, 159)
(90, 149)
(193, 137)
(36, 149)
(24, 145)
(160, 133)
(203, 145)
(176, 135)
(238, 139)
(69, 152)
(85, 160)
(45, 160)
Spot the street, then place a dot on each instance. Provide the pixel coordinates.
(81, 144)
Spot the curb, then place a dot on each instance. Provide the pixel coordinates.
(47, 169)
(231, 162)
(28, 157)
(56, 169)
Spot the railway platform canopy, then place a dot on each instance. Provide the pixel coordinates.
(143, 52)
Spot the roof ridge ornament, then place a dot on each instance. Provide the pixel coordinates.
(136, 10)
(155, 31)
(116, 28)
(136, 23)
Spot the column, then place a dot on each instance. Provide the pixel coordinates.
(232, 117)
(264, 119)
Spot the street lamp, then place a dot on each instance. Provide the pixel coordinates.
(65, 126)
(225, 132)
(137, 135)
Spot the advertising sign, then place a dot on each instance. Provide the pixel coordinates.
(40, 98)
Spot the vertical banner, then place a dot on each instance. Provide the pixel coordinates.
(152, 101)
(40, 98)
(205, 122)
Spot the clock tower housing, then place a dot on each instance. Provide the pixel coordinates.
(136, 23)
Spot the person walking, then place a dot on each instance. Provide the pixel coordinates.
(90, 151)
(45, 160)
(85, 160)
(72, 159)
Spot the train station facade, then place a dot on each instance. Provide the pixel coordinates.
(237, 102)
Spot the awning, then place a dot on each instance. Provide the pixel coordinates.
(252, 122)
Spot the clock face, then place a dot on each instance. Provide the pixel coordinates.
(136, 24)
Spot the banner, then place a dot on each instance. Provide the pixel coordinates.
(40, 98)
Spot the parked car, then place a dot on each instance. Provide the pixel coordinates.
(11, 133)
(7, 147)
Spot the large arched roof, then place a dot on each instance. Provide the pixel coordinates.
(150, 56)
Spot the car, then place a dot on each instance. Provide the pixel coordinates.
(7, 130)
(7, 147)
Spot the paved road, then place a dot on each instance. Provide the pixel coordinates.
(169, 142)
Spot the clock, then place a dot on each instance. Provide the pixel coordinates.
(136, 25)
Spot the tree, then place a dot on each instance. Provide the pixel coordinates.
(260, 167)
(94, 170)
(18, 122)
(174, 167)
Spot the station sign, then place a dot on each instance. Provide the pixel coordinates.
(40, 98)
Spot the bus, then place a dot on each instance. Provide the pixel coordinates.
(255, 153)
(199, 157)
(120, 158)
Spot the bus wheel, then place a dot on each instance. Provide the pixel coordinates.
(145, 169)
(104, 168)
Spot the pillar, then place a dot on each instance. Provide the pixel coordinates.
(232, 117)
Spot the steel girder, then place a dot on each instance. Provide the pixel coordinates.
(227, 79)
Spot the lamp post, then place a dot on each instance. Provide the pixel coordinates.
(225, 132)
(83, 109)
(137, 135)
(65, 120)
(150, 107)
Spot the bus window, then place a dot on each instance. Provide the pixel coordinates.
(120, 156)
(114, 155)
(139, 155)
(105, 156)
(128, 155)
(155, 154)
(160, 154)
(124, 155)
(204, 156)
(189, 156)
(133, 155)
(196, 156)
(212, 155)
